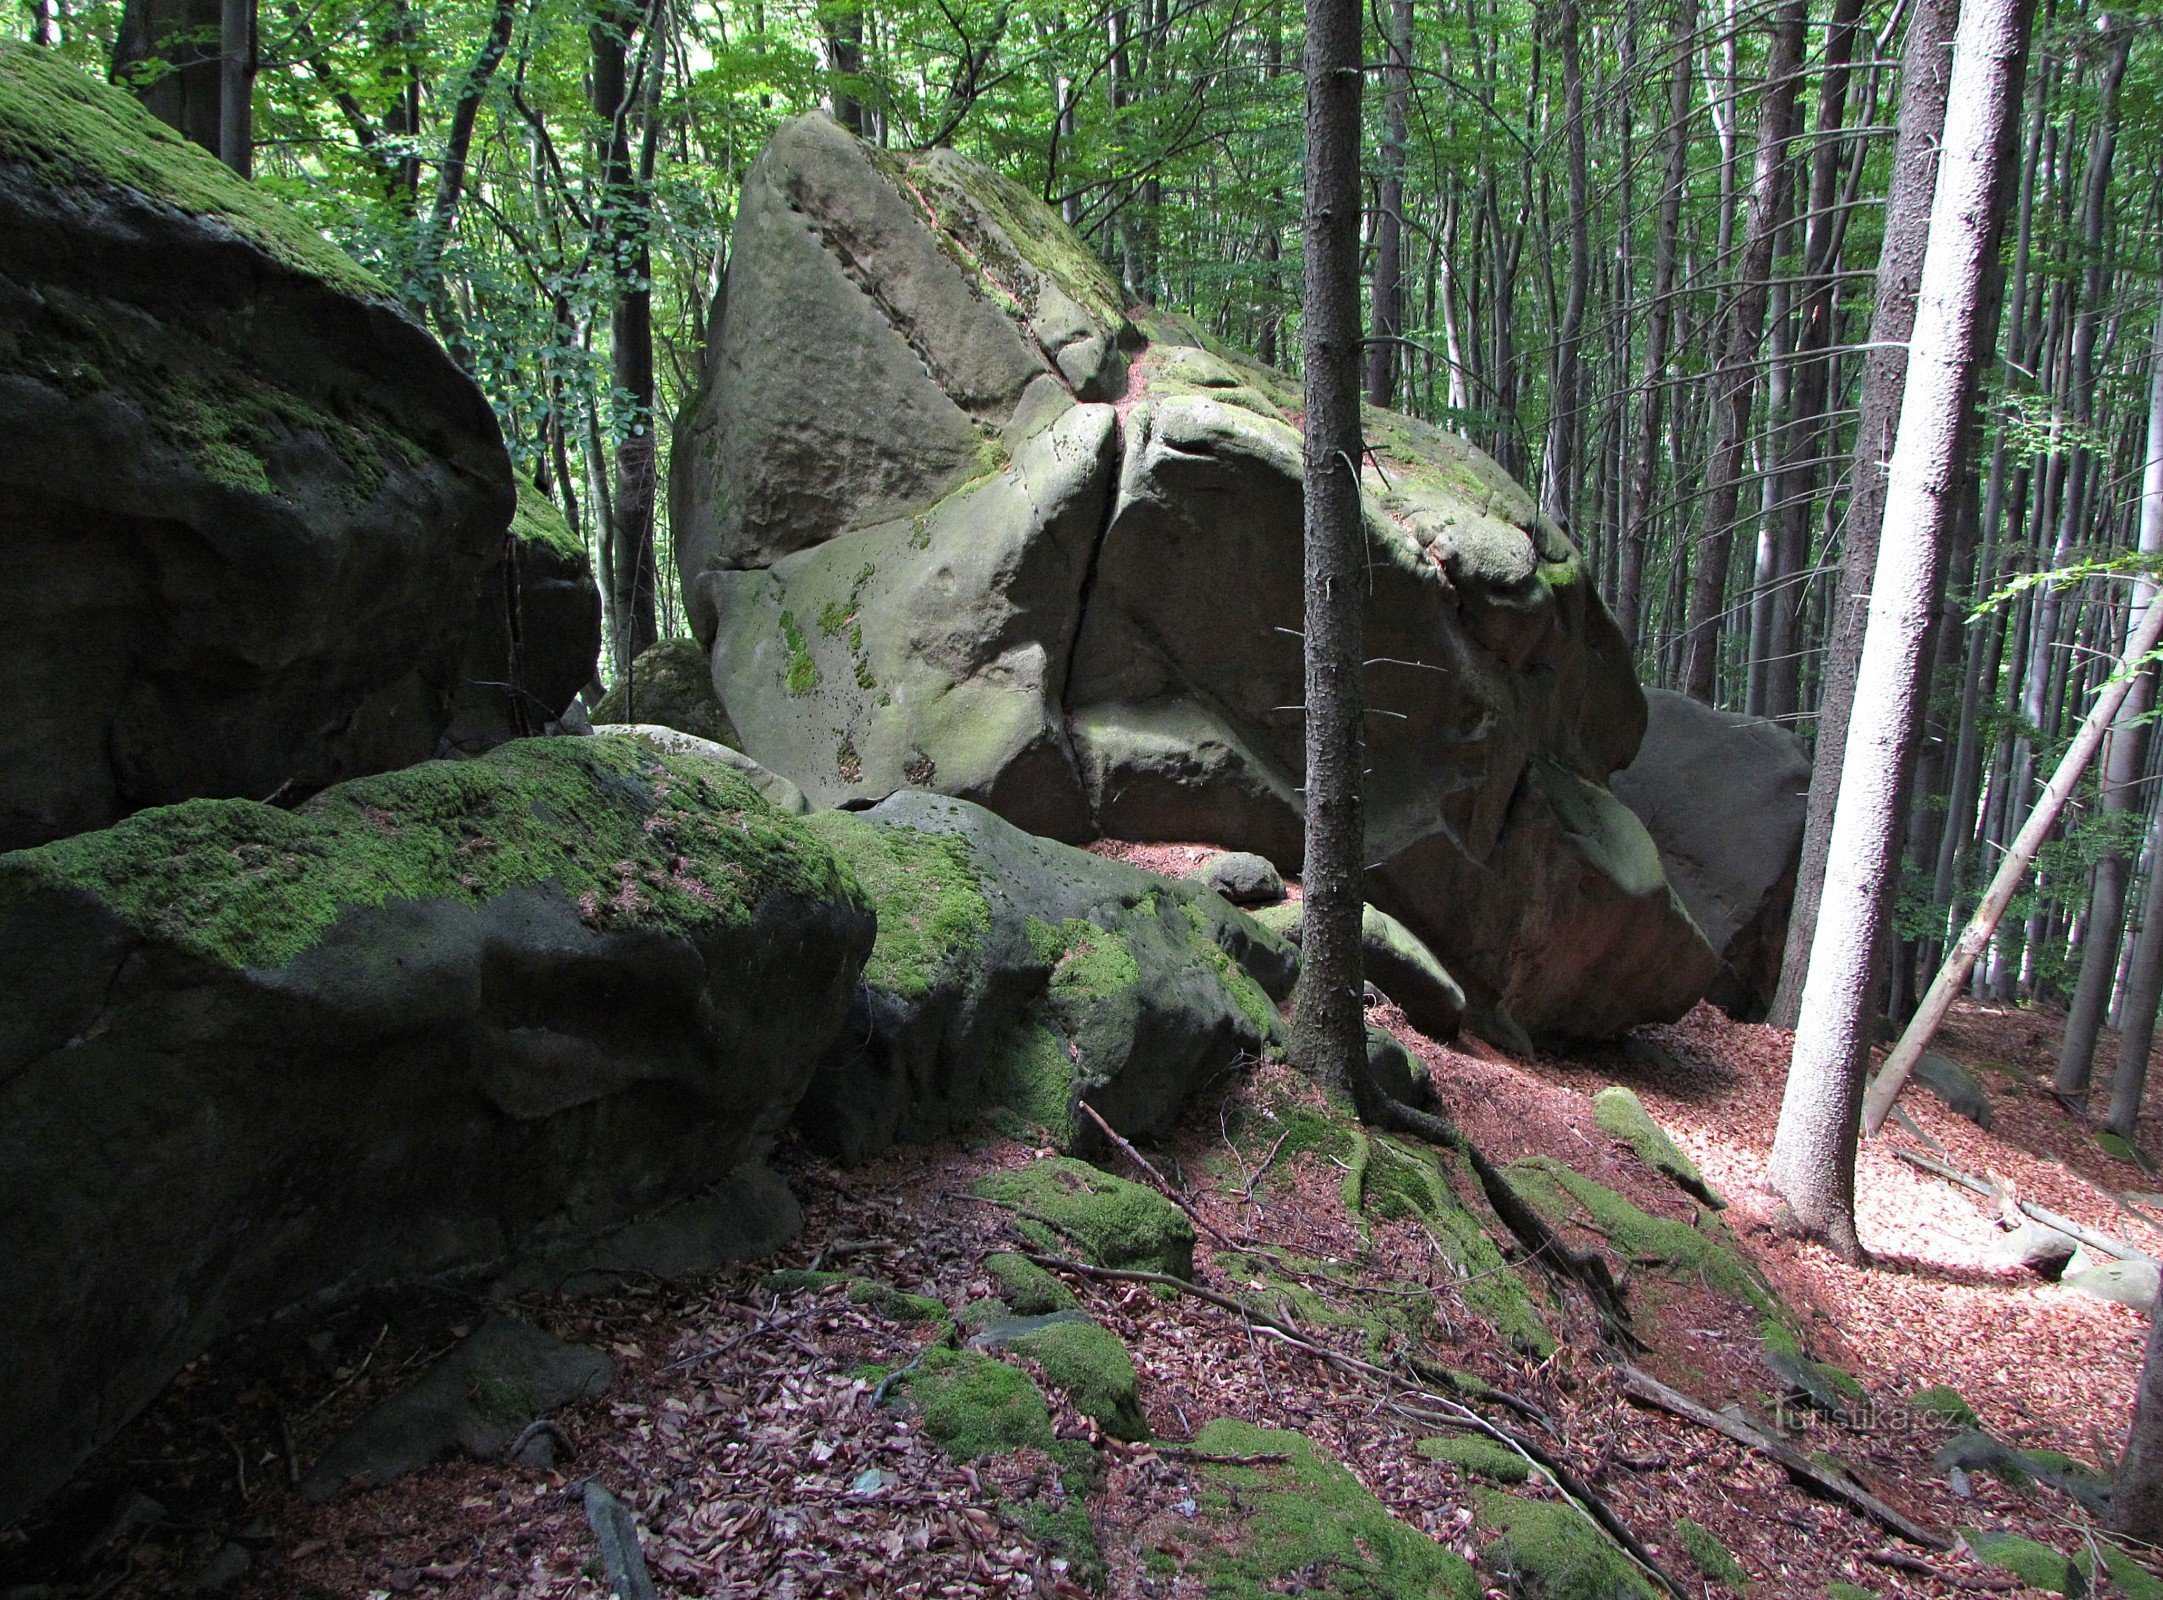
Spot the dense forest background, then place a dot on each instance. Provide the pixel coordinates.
(1630, 249)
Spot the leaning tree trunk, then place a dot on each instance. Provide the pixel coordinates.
(1329, 1028)
(2136, 1501)
(1924, 77)
(1813, 1155)
(2143, 993)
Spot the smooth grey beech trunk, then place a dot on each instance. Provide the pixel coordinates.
(1813, 1156)
(1329, 1030)
(2136, 1501)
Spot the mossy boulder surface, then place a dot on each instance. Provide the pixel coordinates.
(669, 684)
(974, 1405)
(536, 1013)
(1017, 973)
(2034, 1564)
(1026, 1287)
(1308, 1523)
(1066, 1206)
(1623, 1116)
(1548, 1550)
(1481, 1457)
(949, 516)
(259, 519)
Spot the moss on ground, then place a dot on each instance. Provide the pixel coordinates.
(1308, 1292)
(1841, 1589)
(70, 129)
(1943, 1403)
(1060, 1523)
(896, 1305)
(2116, 1146)
(1402, 1181)
(1823, 1382)
(1308, 1522)
(1093, 1367)
(1065, 1203)
(2037, 1565)
(2133, 1580)
(973, 1405)
(1026, 1287)
(1480, 1456)
(1678, 1249)
(1710, 1556)
(926, 890)
(635, 838)
(1550, 1552)
(1623, 1116)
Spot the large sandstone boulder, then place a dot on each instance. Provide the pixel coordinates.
(1723, 796)
(949, 519)
(669, 685)
(533, 1014)
(248, 505)
(1013, 971)
(535, 634)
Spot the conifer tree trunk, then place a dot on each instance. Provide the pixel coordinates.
(1813, 1157)
(1925, 73)
(1329, 1030)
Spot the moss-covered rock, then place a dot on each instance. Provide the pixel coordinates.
(1014, 972)
(1711, 1558)
(2034, 1564)
(670, 683)
(1309, 1521)
(1479, 1456)
(259, 510)
(1087, 1360)
(1623, 1116)
(974, 1405)
(535, 639)
(1550, 1551)
(1943, 1403)
(2133, 1580)
(1066, 1205)
(1396, 961)
(1027, 1287)
(929, 550)
(1841, 1589)
(406, 999)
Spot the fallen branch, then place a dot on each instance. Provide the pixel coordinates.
(1174, 1452)
(1648, 1390)
(1903, 1562)
(1155, 1176)
(2050, 1219)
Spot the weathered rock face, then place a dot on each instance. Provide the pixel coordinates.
(253, 503)
(535, 633)
(670, 685)
(1723, 796)
(949, 519)
(1014, 971)
(536, 1013)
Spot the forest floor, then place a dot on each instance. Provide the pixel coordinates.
(741, 1428)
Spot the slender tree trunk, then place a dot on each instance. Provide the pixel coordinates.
(1558, 480)
(2136, 1500)
(845, 50)
(1813, 1156)
(1925, 74)
(1735, 381)
(167, 52)
(1659, 318)
(1329, 1033)
(1384, 354)
(236, 85)
(425, 290)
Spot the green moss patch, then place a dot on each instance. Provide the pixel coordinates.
(537, 524)
(1943, 1403)
(973, 1405)
(634, 838)
(1065, 1204)
(1031, 1076)
(1480, 1456)
(1841, 1589)
(803, 672)
(925, 889)
(1252, 1000)
(2034, 1564)
(2133, 1580)
(1404, 1182)
(1549, 1551)
(1623, 1116)
(1710, 1556)
(1678, 1249)
(1027, 1287)
(70, 129)
(1308, 1525)
(1059, 1521)
(1093, 1367)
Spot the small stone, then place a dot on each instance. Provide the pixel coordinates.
(224, 1569)
(1243, 878)
(2129, 1283)
(2043, 1251)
